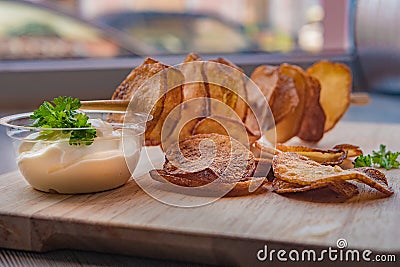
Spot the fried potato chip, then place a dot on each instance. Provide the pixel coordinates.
(323, 156)
(193, 90)
(313, 123)
(240, 89)
(154, 100)
(136, 78)
(173, 96)
(226, 157)
(226, 83)
(225, 126)
(240, 188)
(352, 150)
(294, 168)
(336, 82)
(187, 179)
(342, 188)
(290, 125)
(278, 89)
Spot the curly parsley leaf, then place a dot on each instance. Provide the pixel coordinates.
(381, 158)
(363, 161)
(62, 113)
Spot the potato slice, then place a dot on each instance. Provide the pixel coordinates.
(225, 126)
(336, 82)
(278, 89)
(152, 102)
(294, 168)
(344, 189)
(238, 85)
(325, 157)
(153, 79)
(240, 188)
(313, 123)
(291, 123)
(172, 99)
(226, 83)
(193, 89)
(230, 160)
(352, 150)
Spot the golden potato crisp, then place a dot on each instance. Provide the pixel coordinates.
(294, 168)
(336, 82)
(323, 156)
(352, 150)
(155, 97)
(279, 89)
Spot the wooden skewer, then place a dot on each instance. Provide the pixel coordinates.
(111, 105)
(122, 105)
(360, 99)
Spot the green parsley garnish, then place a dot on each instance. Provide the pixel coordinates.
(62, 113)
(363, 161)
(382, 158)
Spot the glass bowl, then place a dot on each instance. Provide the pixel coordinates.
(50, 162)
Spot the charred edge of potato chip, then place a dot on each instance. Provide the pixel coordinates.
(325, 157)
(374, 179)
(163, 176)
(280, 186)
(342, 189)
(240, 188)
(372, 172)
(313, 123)
(191, 179)
(352, 150)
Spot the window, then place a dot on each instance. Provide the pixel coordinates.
(108, 29)
(34, 32)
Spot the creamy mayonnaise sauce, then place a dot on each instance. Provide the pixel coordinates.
(59, 167)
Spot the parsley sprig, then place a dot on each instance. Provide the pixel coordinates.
(62, 113)
(381, 158)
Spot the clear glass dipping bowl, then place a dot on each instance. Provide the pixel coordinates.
(55, 166)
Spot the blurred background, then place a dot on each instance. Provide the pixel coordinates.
(103, 28)
(84, 48)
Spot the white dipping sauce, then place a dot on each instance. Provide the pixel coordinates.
(63, 168)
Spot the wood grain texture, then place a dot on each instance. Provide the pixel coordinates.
(128, 221)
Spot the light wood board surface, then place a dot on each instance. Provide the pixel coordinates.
(230, 231)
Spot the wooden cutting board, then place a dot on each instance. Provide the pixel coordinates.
(229, 231)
